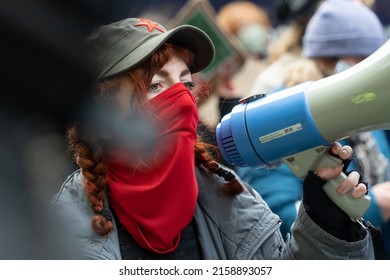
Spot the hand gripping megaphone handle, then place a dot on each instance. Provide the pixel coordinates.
(302, 162)
(353, 207)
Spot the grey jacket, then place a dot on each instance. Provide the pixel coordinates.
(229, 227)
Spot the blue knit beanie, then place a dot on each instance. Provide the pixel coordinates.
(342, 28)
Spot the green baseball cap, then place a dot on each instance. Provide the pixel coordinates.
(119, 46)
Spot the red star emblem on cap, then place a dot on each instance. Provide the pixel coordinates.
(150, 25)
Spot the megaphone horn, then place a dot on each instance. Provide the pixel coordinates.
(298, 124)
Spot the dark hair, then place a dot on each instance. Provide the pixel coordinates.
(295, 10)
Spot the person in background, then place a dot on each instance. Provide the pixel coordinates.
(161, 195)
(337, 30)
(248, 24)
(286, 44)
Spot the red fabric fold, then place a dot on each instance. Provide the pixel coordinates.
(155, 204)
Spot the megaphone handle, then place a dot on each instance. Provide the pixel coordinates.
(353, 207)
(312, 159)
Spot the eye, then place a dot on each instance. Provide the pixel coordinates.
(189, 85)
(154, 87)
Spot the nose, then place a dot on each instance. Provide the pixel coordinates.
(173, 80)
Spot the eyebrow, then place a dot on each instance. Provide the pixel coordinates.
(165, 73)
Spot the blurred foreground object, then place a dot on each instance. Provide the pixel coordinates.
(44, 76)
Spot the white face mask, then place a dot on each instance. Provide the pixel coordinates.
(341, 65)
(254, 38)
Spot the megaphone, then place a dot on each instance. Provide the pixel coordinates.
(297, 125)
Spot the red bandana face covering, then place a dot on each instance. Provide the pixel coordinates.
(156, 204)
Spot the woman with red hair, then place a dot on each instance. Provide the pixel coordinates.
(149, 188)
